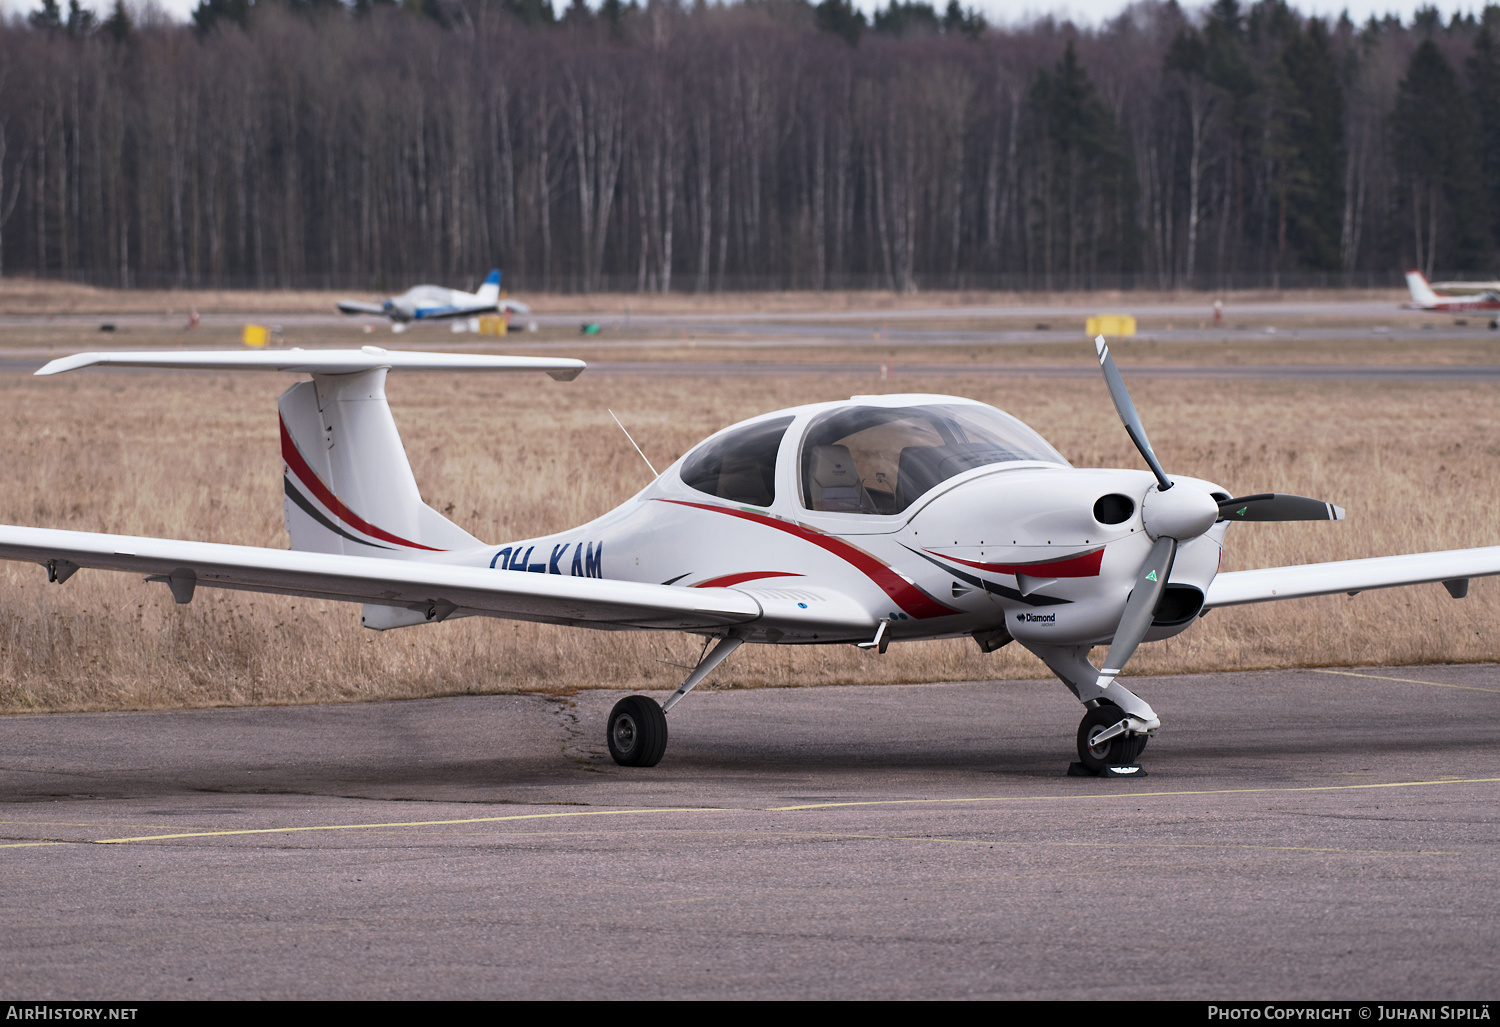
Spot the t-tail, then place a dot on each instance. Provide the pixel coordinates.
(489, 292)
(349, 487)
(1421, 293)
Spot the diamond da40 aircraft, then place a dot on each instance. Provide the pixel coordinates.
(865, 521)
(436, 303)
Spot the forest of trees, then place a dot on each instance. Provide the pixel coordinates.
(760, 144)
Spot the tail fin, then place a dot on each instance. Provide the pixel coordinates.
(1421, 293)
(349, 487)
(489, 292)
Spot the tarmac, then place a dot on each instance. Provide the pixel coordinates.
(1319, 833)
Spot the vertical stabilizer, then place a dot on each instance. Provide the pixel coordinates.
(349, 487)
(1421, 293)
(489, 292)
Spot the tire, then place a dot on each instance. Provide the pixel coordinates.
(637, 732)
(1121, 750)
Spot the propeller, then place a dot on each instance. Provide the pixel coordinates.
(1172, 516)
(1126, 408)
(1140, 608)
(1272, 506)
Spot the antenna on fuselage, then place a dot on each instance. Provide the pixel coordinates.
(633, 443)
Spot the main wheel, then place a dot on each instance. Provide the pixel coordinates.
(637, 732)
(1121, 750)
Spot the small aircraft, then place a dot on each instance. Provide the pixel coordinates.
(1462, 288)
(435, 303)
(1484, 296)
(866, 521)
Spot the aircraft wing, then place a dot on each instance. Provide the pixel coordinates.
(442, 313)
(1233, 588)
(442, 589)
(439, 590)
(356, 307)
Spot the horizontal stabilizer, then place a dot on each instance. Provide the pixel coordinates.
(315, 361)
(1320, 579)
(356, 307)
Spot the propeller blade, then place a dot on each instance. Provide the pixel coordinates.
(1126, 408)
(1140, 608)
(1270, 506)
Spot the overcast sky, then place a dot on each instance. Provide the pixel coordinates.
(1006, 13)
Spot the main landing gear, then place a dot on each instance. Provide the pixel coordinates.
(637, 732)
(637, 729)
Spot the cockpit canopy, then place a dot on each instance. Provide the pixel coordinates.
(864, 459)
(879, 460)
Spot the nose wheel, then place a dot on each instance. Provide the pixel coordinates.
(637, 731)
(1099, 747)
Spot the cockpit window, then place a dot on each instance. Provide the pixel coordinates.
(739, 466)
(879, 460)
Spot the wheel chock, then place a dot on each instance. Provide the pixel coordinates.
(1124, 770)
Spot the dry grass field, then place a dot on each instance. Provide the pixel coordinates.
(195, 456)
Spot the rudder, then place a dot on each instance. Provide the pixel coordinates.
(349, 487)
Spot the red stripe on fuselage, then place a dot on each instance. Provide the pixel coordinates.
(735, 579)
(305, 474)
(906, 595)
(1084, 565)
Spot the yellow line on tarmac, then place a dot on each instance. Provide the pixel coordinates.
(772, 809)
(32, 845)
(1012, 843)
(1142, 795)
(410, 823)
(1408, 681)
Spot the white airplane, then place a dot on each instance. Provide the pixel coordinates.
(435, 303)
(865, 521)
(1462, 288)
(1424, 297)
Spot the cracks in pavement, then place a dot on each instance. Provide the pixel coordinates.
(576, 748)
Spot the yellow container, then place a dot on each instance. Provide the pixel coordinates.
(1110, 324)
(493, 324)
(256, 335)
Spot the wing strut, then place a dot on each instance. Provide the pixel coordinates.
(704, 668)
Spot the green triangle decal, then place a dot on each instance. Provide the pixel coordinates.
(1241, 511)
(1151, 576)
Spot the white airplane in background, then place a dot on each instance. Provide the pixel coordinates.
(1484, 297)
(1462, 288)
(865, 521)
(435, 303)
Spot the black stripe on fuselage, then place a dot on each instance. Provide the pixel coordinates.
(991, 587)
(306, 506)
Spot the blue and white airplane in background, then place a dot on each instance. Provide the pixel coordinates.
(435, 303)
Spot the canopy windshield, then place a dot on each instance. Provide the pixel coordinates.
(879, 460)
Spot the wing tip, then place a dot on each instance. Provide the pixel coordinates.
(70, 363)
